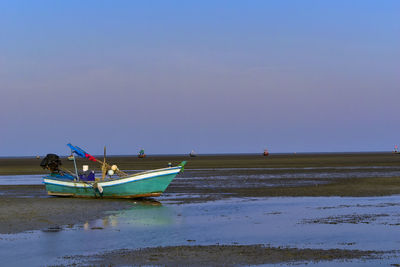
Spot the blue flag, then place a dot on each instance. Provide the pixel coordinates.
(81, 153)
(77, 151)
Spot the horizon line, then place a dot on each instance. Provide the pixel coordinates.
(215, 154)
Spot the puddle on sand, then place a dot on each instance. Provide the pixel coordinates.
(272, 221)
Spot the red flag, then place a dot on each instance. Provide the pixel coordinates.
(90, 157)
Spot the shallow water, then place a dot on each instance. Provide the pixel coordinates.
(279, 173)
(250, 176)
(21, 179)
(302, 222)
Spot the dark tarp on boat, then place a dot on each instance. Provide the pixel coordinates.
(87, 176)
(51, 162)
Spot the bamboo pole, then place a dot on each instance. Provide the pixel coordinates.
(105, 166)
(108, 166)
(76, 169)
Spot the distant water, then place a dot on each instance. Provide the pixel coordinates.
(222, 174)
(21, 179)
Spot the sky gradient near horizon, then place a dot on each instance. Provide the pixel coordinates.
(213, 76)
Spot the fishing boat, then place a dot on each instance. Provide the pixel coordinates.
(61, 182)
(141, 154)
(193, 154)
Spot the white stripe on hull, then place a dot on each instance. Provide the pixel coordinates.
(134, 177)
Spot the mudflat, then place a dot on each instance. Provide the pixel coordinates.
(206, 178)
(30, 165)
(24, 208)
(219, 255)
(27, 207)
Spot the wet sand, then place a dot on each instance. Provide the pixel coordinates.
(27, 207)
(219, 255)
(31, 165)
(24, 208)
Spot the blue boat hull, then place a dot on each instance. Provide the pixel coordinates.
(146, 184)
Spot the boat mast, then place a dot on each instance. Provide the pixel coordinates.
(76, 169)
(104, 166)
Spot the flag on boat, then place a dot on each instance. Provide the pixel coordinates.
(81, 153)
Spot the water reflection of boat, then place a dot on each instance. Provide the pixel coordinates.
(62, 182)
(148, 202)
(144, 212)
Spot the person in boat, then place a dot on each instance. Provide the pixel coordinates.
(86, 174)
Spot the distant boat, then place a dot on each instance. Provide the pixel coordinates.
(396, 150)
(141, 154)
(70, 157)
(266, 153)
(193, 154)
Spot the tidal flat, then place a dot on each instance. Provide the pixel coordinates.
(339, 209)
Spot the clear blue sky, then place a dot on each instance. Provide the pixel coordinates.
(213, 76)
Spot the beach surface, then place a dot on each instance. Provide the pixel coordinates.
(221, 255)
(206, 179)
(30, 165)
(39, 211)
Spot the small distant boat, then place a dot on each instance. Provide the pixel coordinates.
(141, 154)
(70, 157)
(193, 154)
(266, 153)
(61, 182)
(396, 150)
